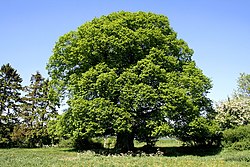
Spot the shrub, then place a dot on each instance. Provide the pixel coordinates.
(233, 112)
(203, 132)
(237, 138)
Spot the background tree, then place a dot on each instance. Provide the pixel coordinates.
(243, 85)
(10, 100)
(127, 74)
(37, 110)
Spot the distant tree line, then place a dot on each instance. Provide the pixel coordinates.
(25, 111)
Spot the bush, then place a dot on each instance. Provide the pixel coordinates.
(233, 112)
(203, 132)
(237, 138)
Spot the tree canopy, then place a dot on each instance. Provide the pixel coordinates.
(127, 74)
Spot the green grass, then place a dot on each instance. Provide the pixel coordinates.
(56, 157)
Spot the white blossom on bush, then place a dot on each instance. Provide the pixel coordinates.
(233, 112)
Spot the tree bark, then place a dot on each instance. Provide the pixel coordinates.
(124, 142)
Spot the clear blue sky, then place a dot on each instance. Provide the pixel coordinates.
(217, 30)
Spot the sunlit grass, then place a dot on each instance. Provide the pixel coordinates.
(67, 157)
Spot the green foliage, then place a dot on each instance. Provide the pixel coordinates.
(237, 138)
(78, 121)
(53, 131)
(127, 74)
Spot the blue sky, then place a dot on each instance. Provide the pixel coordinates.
(217, 30)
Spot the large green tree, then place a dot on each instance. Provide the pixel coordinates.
(10, 100)
(127, 74)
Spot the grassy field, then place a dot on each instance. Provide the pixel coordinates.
(173, 156)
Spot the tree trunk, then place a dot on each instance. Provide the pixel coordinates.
(124, 142)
